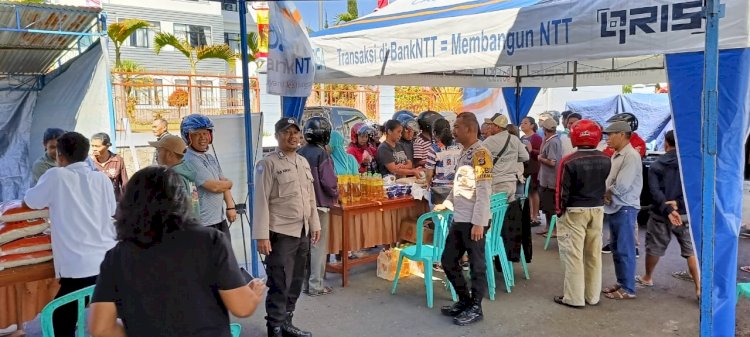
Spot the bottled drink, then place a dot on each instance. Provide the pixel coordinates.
(380, 191)
(343, 182)
(356, 188)
(369, 183)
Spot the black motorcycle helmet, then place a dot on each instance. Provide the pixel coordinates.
(426, 119)
(625, 117)
(317, 131)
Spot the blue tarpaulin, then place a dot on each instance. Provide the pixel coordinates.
(652, 110)
(519, 103)
(685, 74)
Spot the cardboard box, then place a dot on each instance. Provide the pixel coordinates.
(407, 232)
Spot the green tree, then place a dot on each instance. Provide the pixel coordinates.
(119, 32)
(194, 54)
(352, 13)
(129, 79)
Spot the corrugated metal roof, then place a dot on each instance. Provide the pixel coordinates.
(24, 52)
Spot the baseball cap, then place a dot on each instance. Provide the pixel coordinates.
(549, 124)
(285, 123)
(170, 142)
(498, 119)
(619, 126)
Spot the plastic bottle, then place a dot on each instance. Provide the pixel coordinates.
(381, 195)
(356, 188)
(343, 182)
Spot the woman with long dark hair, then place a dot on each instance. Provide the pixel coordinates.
(167, 276)
(533, 142)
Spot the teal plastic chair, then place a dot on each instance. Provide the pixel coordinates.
(79, 297)
(235, 329)
(495, 246)
(550, 231)
(743, 290)
(427, 254)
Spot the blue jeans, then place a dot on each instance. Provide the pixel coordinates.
(621, 227)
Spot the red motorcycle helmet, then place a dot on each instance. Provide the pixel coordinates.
(585, 133)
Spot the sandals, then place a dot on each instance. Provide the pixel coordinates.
(559, 300)
(745, 269)
(641, 283)
(611, 289)
(683, 275)
(325, 291)
(620, 295)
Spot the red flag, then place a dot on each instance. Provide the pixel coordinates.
(381, 4)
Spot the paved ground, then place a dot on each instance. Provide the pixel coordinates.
(366, 307)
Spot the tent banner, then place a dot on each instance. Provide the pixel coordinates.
(484, 102)
(429, 36)
(290, 66)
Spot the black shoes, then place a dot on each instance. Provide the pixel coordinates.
(471, 315)
(455, 309)
(289, 330)
(274, 332)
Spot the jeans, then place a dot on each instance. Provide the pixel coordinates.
(457, 244)
(621, 227)
(318, 254)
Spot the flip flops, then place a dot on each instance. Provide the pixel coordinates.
(745, 269)
(611, 289)
(325, 291)
(641, 283)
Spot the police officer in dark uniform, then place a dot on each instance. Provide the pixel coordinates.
(286, 223)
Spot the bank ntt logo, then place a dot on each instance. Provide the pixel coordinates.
(621, 23)
(320, 59)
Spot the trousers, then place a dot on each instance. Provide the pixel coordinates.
(318, 253)
(285, 267)
(224, 228)
(579, 238)
(65, 317)
(621, 225)
(457, 243)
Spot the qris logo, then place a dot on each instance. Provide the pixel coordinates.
(650, 19)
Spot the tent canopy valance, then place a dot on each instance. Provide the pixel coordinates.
(493, 43)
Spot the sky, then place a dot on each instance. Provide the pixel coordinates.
(309, 10)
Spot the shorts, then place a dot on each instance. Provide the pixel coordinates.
(659, 233)
(547, 200)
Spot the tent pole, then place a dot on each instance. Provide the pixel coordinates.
(110, 96)
(248, 130)
(708, 154)
(518, 95)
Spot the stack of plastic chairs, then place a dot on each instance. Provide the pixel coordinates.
(495, 246)
(427, 254)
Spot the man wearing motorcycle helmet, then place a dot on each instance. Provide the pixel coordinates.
(635, 140)
(423, 142)
(214, 189)
(410, 130)
(579, 201)
(361, 147)
(317, 133)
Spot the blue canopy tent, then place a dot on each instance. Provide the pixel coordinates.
(521, 44)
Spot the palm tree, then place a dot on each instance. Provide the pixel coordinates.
(119, 32)
(352, 13)
(194, 55)
(130, 80)
(254, 46)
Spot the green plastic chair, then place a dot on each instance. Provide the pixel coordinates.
(743, 290)
(427, 254)
(550, 231)
(235, 329)
(495, 246)
(80, 297)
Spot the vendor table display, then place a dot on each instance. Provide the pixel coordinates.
(27, 274)
(367, 224)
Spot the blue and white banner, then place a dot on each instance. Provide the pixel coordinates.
(290, 64)
(433, 36)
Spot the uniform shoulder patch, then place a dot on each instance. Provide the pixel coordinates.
(482, 164)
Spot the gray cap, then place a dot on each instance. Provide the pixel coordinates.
(618, 127)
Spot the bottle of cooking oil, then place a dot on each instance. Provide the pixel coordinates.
(379, 190)
(356, 188)
(343, 182)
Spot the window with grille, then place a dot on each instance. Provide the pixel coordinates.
(144, 37)
(197, 36)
